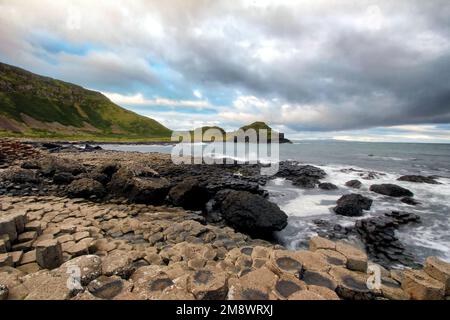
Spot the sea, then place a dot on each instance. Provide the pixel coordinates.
(389, 160)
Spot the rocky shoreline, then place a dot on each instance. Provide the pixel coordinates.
(136, 226)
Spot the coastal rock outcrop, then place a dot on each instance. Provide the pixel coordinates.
(352, 205)
(419, 179)
(391, 190)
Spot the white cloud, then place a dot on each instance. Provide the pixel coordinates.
(139, 100)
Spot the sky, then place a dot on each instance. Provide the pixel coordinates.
(349, 70)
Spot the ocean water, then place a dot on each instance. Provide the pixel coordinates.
(388, 160)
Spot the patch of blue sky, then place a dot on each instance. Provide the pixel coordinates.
(54, 45)
(181, 109)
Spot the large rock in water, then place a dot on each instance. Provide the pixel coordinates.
(391, 190)
(418, 179)
(252, 214)
(352, 205)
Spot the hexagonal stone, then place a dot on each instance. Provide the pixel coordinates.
(316, 243)
(49, 254)
(208, 284)
(6, 260)
(287, 285)
(27, 236)
(351, 284)
(420, 286)
(283, 261)
(29, 268)
(47, 285)
(312, 261)
(28, 257)
(333, 257)
(87, 267)
(356, 258)
(439, 270)
(117, 263)
(324, 292)
(16, 256)
(318, 278)
(34, 226)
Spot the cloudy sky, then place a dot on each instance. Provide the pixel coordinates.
(355, 70)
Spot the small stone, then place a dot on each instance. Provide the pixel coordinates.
(439, 270)
(27, 236)
(34, 226)
(3, 292)
(49, 254)
(316, 243)
(420, 286)
(6, 260)
(29, 268)
(16, 256)
(8, 226)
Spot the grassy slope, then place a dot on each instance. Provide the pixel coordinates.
(50, 100)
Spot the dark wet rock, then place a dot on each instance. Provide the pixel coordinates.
(30, 164)
(328, 229)
(63, 178)
(251, 213)
(86, 188)
(189, 194)
(52, 165)
(304, 176)
(391, 190)
(89, 148)
(328, 186)
(106, 287)
(355, 184)
(19, 175)
(410, 201)
(418, 179)
(379, 237)
(352, 205)
(305, 182)
(366, 175)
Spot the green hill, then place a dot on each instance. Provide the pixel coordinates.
(37, 106)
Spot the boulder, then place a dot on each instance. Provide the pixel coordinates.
(418, 179)
(305, 182)
(391, 190)
(439, 270)
(61, 178)
(47, 285)
(352, 205)
(49, 254)
(328, 186)
(420, 286)
(410, 201)
(355, 184)
(252, 214)
(19, 175)
(86, 188)
(51, 165)
(189, 194)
